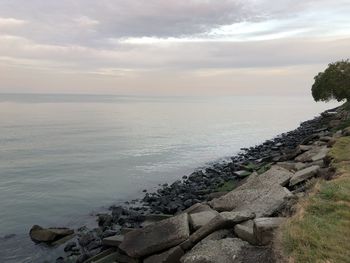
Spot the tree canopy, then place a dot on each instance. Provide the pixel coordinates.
(333, 83)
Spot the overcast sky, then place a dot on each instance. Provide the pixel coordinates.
(164, 47)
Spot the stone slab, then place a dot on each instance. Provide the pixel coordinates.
(156, 237)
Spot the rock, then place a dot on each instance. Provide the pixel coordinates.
(261, 194)
(39, 234)
(304, 148)
(70, 246)
(213, 195)
(157, 237)
(304, 175)
(105, 220)
(172, 255)
(196, 208)
(197, 220)
(85, 239)
(321, 154)
(315, 154)
(245, 231)
(113, 241)
(242, 173)
(215, 251)
(101, 255)
(264, 229)
(219, 234)
(223, 220)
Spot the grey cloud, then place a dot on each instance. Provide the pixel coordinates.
(56, 21)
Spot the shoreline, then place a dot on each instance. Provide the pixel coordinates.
(202, 185)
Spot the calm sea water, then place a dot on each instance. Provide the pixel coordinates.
(63, 156)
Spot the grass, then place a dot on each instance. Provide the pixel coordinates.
(227, 187)
(320, 230)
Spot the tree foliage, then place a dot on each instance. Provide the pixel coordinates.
(333, 83)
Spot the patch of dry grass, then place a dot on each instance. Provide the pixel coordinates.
(320, 231)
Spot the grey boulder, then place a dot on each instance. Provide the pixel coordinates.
(215, 251)
(156, 237)
(40, 234)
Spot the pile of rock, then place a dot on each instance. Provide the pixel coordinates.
(189, 222)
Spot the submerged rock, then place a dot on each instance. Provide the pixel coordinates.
(40, 234)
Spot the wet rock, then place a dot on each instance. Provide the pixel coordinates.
(85, 239)
(156, 237)
(105, 220)
(70, 246)
(39, 234)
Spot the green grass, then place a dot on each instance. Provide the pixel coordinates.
(227, 187)
(320, 231)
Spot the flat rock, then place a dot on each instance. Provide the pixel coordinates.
(245, 231)
(314, 154)
(262, 194)
(156, 237)
(197, 220)
(196, 208)
(172, 255)
(113, 241)
(264, 228)
(304, 175)
(40, 234)
(221, 221)
(215, 251)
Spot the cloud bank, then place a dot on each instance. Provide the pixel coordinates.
(169, 47)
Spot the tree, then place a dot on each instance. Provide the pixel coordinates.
(333, 83)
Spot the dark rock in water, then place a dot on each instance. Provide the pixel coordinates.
(70, 246)
(109, 233)
(105, 220)
(60, 260)
(39, 234)
(93, 245)
(86, 239)
(82, 258)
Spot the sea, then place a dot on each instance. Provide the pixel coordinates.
(64, 158)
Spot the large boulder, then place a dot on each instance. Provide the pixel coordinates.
(113, 241)
(264, 229)
(245, 231)
(221, 221)
(200, 219)
(262, 194)
(215, 251)
(156, 237)
(304, 175)
(40, 234)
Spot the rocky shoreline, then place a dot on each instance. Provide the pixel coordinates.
(217, 198)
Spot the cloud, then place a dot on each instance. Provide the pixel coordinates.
(143, 39)
(8, 23)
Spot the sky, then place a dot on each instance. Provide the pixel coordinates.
(160, 47)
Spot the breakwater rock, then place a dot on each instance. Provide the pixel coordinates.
(227, 212)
